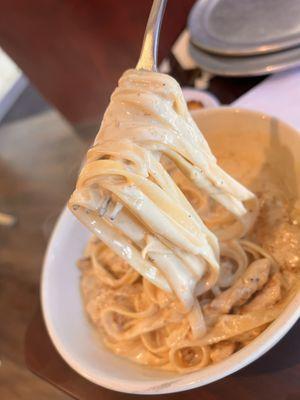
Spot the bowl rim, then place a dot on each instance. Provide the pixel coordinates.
(177, 383)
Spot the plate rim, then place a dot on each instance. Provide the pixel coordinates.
(199, 35)
(213, 62)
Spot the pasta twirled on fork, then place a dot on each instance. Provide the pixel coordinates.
(129, 199)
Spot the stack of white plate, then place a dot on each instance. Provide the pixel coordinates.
(245, 37)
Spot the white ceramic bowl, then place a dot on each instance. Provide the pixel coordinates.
(71, 332)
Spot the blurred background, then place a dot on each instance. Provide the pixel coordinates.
(73, 52)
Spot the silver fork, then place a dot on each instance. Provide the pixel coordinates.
(148, 56)
(148, 62)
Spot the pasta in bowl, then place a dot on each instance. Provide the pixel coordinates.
(227, 131)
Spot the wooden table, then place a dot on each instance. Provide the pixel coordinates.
(39, 161)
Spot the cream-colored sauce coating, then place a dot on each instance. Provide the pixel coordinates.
(127, 195)
(234, 314)
(175, 277)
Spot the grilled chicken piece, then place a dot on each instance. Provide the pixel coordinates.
(222, 350)
(269, 295)
(254, 278)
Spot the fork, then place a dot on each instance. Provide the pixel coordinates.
(148, 56)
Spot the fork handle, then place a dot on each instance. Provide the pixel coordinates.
(148, 56)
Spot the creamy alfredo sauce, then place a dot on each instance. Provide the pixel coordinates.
(277, 231)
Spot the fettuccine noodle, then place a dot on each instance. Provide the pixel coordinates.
(168, 278)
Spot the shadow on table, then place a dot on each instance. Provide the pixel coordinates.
(286, 354)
